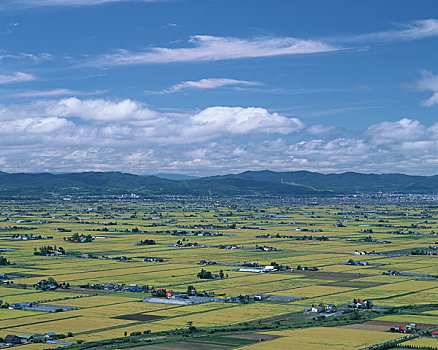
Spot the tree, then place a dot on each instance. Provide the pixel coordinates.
(190, 326)
(191, 290)
(3, 261)
(204, 274)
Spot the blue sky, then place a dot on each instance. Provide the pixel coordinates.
(208, 87)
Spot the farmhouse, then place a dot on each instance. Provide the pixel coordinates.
(317, 309)
(258, 269)
(12, 339)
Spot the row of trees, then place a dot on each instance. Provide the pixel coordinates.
(146, 242)
(207, 275)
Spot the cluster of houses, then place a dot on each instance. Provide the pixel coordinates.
(258, 269)
(118, 258)
(26, 237)
(356, 252)
(298, 238)
(329, 308)
(204, 262)
(188, 244)
(17, 228)
(103, 257)
(405, 232)
(197, 233)
(151, 259)
(19, 306)
(361, 304)
(76, 238)
(13, 340)
(409, 328)
(111, 287)
(423, 252)
(51, 284)
(305, 268)
(229, 246)
(206, 227)
(161, 296)
(373, 240)
(265, 248)
(208, 234)
(358, 263)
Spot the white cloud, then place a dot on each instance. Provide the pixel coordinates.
(390, 133)
(208, 83)
(33, 126)
(53, 93)
(238, 120)
(100, 121)
(100, 109)
(17, 77)
(322, 129)
(44, 3)
(420, 29)
(431, 101)
(428, 82)
(212, 48)
(21, 56)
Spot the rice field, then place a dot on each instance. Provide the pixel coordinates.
(118, 226)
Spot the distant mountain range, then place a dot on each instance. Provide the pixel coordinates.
(176, 177)
(296, 183)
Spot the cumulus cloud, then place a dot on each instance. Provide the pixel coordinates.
(100, 121)
(213, 48)
(17, 77)
(389, 133)
(208, 83)
(101, 109)
(428, 82)
(238, 120)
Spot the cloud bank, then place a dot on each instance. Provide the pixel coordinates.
(74, 134)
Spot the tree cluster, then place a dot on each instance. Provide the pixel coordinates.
(3, 261)
(76, 238)
(48, 250)
(146, 242)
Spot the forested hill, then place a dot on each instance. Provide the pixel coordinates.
(297, 183)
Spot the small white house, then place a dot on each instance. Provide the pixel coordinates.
(317, 309)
